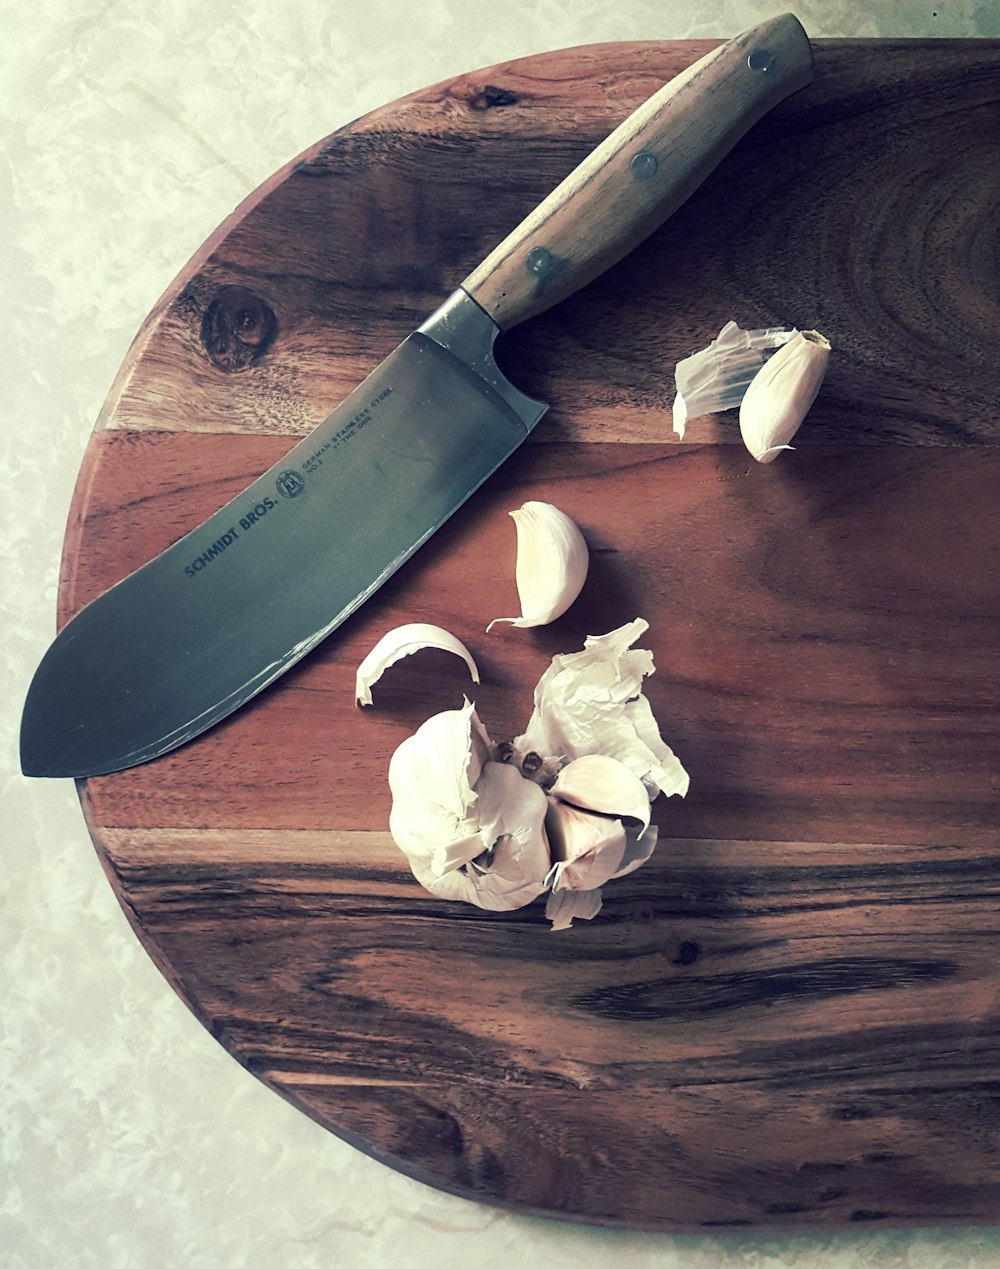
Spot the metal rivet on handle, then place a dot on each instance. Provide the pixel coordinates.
(760, 60)
(539, 260)
(643, 165)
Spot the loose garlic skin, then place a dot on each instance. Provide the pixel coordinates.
(403, 641)
(781, 393)
(592, 702)
(552, 564)
(715, 378)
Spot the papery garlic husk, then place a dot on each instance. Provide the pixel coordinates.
(781, 393)
(552, 564)
(591, 702)
(715, 378)
(562, 906)
(471, 829)
(403, 641)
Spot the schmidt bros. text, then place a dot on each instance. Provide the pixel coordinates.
(226, 540)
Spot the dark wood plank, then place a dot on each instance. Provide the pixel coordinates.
(754, 1032)
(789, 1016)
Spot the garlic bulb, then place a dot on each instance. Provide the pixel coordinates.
(716, 377)
(565, 808)
(400, 642)
(552, 564)
(781, 393)
(591, 702)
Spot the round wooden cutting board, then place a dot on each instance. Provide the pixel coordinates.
(789, 1015)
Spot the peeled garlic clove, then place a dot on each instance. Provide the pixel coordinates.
(587, 849)
(781, 393)
(599, 783)
(716, 377)
(552, 563)
(591, 702)
(401, 642)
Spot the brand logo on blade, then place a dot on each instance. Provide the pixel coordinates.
(290, 483)
(232, 534)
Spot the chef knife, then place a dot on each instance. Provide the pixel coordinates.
(206, 625)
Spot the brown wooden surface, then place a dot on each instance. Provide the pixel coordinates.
(790, 1015)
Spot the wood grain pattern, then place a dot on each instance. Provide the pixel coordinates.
(790, 1015)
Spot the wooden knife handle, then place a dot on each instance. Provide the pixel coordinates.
(642, 172)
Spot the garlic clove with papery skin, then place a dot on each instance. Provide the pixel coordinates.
(552, 564)
(565, 904)
(432, 775)
(598, 828)
(510, 868)
(781, 393)
(715, 378)
(597, 782)
(403, 641)
(587, 849)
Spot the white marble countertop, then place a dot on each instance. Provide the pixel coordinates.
(131, 128)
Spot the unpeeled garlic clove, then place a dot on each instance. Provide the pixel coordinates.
(781, 393)
(400, 642)
(565, 904)
(597, 782)
(439, 765)
(552, 564)
(715, 378)
(587, 849)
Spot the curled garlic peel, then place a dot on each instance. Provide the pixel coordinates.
(403, 641)
(552, 564)
(781, 394)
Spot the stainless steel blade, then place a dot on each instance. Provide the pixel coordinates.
(215, 618)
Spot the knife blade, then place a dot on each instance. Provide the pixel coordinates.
(169, 651)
